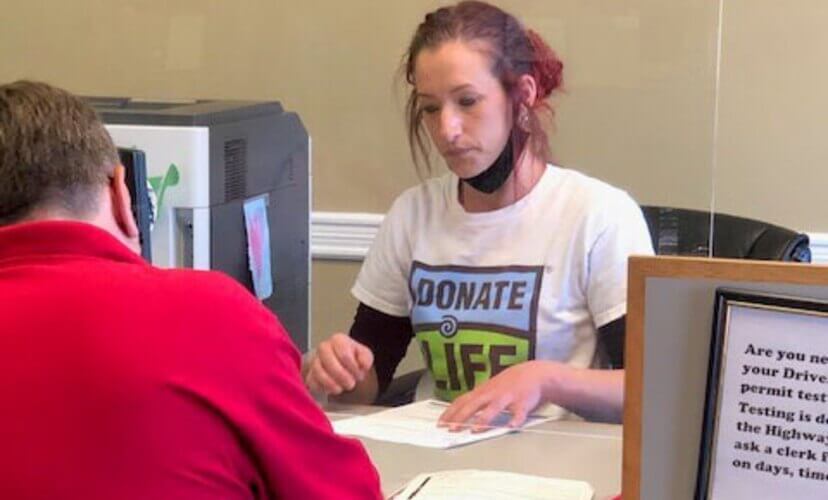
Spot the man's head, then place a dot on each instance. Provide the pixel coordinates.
(57, 161)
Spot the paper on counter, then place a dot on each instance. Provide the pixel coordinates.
(416, 424)
(492, 485)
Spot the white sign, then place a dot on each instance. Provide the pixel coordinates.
(767, 411)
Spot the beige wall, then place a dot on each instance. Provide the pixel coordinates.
(637, 111)
(772, 153)
(334, 307)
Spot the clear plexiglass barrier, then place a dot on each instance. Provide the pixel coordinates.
(770, 152)
(653, 100)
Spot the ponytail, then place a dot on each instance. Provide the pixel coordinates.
(547, 69)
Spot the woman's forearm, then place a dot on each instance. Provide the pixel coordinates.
(593, 394)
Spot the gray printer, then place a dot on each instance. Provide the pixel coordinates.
(204, 160)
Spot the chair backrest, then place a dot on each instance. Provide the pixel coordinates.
(680, 231)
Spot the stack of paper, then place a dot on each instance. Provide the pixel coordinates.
(416, 424)
(492, 485)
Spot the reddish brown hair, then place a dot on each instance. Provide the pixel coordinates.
(514, 52)
(54, 151)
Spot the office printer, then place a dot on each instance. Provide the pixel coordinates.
(204, 160)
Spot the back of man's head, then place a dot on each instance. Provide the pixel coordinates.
(55, 154)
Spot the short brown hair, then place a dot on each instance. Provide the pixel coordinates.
(54, 151)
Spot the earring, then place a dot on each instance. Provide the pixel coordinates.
(523, 119)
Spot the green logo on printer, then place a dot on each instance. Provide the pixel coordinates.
(160, 184)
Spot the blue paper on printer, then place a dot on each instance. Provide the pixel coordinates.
(258, 245)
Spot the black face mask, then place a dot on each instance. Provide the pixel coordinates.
(491, 179)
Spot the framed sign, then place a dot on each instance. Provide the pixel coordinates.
(765, 432)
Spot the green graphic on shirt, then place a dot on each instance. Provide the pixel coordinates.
(468, 358)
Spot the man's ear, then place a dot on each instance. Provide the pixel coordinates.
(122, 204)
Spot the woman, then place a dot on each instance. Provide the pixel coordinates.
(511, 272)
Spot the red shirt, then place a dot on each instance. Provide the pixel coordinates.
(121, 380)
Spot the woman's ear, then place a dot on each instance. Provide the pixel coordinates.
(527, 90)
(122, 205)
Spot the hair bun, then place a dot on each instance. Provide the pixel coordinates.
(547, 69)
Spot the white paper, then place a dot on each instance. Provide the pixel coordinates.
(416, 424)
(492, 485)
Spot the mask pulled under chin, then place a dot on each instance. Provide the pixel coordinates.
(491, 179)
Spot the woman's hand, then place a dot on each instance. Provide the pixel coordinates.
(338, 365)
(519, 390)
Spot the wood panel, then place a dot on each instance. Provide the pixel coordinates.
(643, 268)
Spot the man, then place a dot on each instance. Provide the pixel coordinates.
(120, 380)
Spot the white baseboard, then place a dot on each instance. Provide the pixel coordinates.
(819, 247)
(348, 236)
(343, 235)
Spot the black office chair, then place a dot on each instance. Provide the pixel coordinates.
(679, 231)
(401, 390)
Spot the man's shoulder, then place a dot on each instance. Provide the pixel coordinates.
(211, 305)
(202, 288)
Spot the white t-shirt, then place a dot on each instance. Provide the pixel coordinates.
(533, 280)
